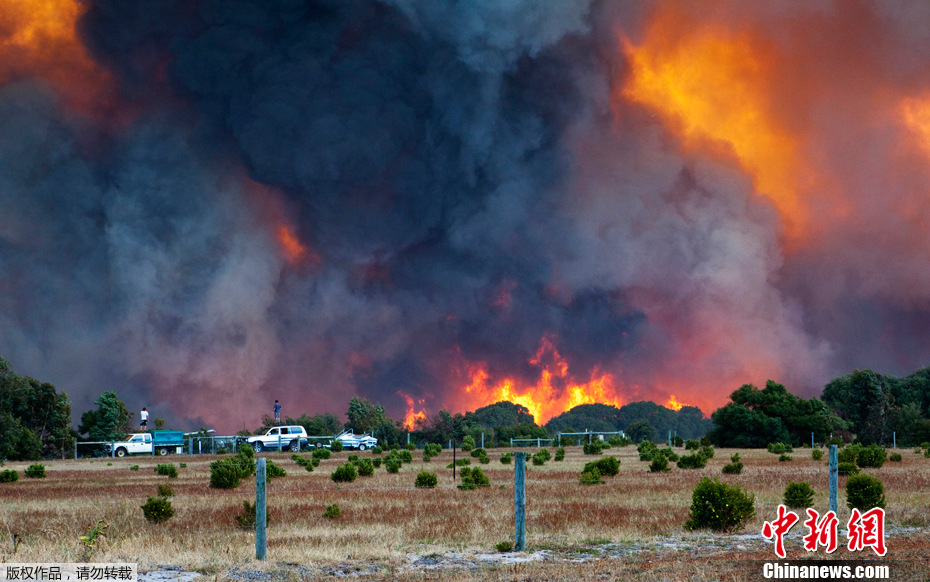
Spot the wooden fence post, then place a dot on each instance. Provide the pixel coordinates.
(519, 501)
(261, 546)
(833, 478)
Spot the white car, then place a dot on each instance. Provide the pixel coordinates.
(280, 438)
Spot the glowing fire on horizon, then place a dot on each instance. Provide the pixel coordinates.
(413, 416)
(673, 403)
(554, 392)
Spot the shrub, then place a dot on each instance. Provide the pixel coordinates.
(332, 511)
(376, 450)
(678, 441)
(433, 449)
(927, 454)
(733, 468)
(785, 458)
(157, 509)
(316, 462)
(848, 454)
(646, 450)
(544, 454)
(539, 459)
(426, 480)
(336, 446)
(847, 469)
(504, 546)
(506, 458)
(707, 451)
(816, 454)
(405, 456)
(468, 443)
(484, 460)
(479, 452)
(607, 466)
(560, 454)
(183, 465)
(864, 492)
(459, 463)
(799, 494)
(321, 453)
(345, 473)
(871, 456)
(167, 469)
(734, 458)
(777, 448)
(659, 464)
(273, 471)
(719, 506)
(376, 462)
(669, 454)
(895, 458)
(591, 477)
(228, 473)
(352, 458)
(165, 490)
(366, 468)
(595, 447)
(8, 476)
(692, 461)
(692, 444)
(247, 518)
(473, 477)
(134, 468)
(411, 447)
(392, 465)
(36, 471)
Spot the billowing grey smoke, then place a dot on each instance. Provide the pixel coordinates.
(461, 174)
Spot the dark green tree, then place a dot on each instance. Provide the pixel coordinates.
(363, 415)
(865, 400)
(35, 413)
(110, 421)
(640, 430)
(739, 426)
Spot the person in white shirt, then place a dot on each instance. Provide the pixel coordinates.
(143, 419)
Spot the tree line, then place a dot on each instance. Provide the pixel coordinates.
(864, 406)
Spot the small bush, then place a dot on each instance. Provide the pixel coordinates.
(607, 466)
(707, 451)
(468, 443)
(366, 468)
(799, 495)
(678, 441)
(321, 454)
(405, 456)
(8, 476)
(733, 468)
(316, 462)
(848, 454)
(484, 460)
(734, 458)
(426, 480)
(506, 458)
(332, 511)
(473, 477)
(692, 461)
(785, 458)
(433, 449)
(864, 492)
(247, 518)
(847, 469)
(777, 448)
(352, 458)
(392, 465)
(560, 454)
(669, 454)
(595, 447)
(459, 463)
(336, 446)
(590, 477)
(659, 464)
(411, 447)
(224, 475)
(895, 458)
(479, 452)
(273, 471)
(871, 456)
(36, 471)
(167, 469)
(816, 454)
(539, 459)
(345, 473)
(719, 506)
(183, 465)
(134, 468)
(376, 462)
(692, 444)
(165, 490)
(504, 546)
(376, 450)
(157, 509)
(544, 454)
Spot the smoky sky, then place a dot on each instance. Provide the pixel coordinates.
(465, 183)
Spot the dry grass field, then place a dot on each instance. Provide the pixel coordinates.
(629, 528)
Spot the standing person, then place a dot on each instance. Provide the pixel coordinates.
(143, 419)
(277, 412)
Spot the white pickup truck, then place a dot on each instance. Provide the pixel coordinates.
(163, 441)
(292, 438)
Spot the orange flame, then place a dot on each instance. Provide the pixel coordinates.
(555, 391)
(412, 417)
(38, 38)
(712, 86)
(916, 116)
(673, 403)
